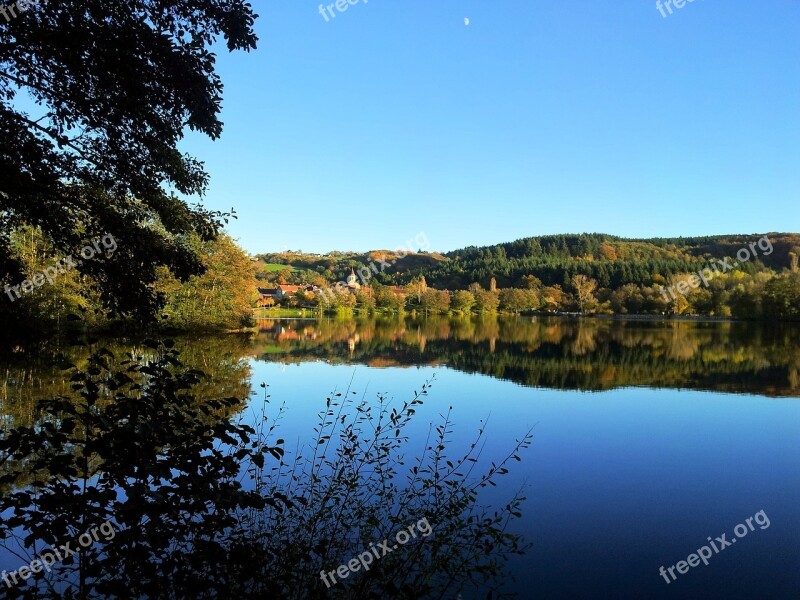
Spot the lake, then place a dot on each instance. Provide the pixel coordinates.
(649, 437)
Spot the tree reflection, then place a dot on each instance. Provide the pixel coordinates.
(585, 354)
(207, 506)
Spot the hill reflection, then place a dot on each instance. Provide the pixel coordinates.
(575, 354)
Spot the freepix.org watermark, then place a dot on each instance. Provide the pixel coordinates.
(718, 544)
(9, 11)
(50, 557)
(705, 276)
(64, 265)
(668, 4)
(365, 559)
(339, 5)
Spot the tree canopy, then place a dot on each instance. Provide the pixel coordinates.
(95, 97)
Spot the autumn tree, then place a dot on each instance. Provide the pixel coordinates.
(365, 300)
(584, 291)
(628, 299)
(675, 294)
(223, 296)
(343, 301)
(417, 288)
(531, 282)
(553, 298)
(782, 297)
(607, 252)
(387, 298)
(486, 301)
(65, 293)
(516, 300)
(435, 301)
(462, 301)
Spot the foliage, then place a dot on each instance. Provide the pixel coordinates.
(365, 300)
(207, 506)
(387, 299)
(584, 291)
(113, 86)
(624, 276)
(221, 297)
(486, 301)
(519, 300)
(782, 296)
(463, 301)
(435, 301)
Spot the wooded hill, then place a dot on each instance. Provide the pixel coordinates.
(554, 259)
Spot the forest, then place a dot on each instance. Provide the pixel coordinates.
(588, 273)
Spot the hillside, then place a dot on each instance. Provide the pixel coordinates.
(611, 260)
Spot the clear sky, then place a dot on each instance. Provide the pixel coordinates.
(565, 116)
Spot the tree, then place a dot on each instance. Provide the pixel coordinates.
(782, 297)
(435, 301)
(343, 301)
(486, 301)
(63, 294)
(627, 299)
(584, 291)
(607, 252)
(463, 301)
(389, 299)
(416, 288)
(553, 297)
(223, 296)
(115, 85)
(365, 300)
(515, 300)
(531, 282)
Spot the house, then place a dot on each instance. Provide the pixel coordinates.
(272, 295)
(290, 290)
(267, 296)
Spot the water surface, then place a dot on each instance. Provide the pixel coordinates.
(649, 437)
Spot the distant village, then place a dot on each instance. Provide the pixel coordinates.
(273, 295)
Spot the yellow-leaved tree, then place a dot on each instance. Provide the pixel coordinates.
(224, 296)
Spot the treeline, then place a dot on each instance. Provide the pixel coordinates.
(590, 273)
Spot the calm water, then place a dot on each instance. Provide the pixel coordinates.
(648, 437)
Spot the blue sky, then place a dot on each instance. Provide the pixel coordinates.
(396, 118)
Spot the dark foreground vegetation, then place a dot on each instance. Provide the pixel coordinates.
(207, 504)
(95, 98)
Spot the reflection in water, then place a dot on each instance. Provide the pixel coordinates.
(587, 354)
(583, 354)
(209, 506)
